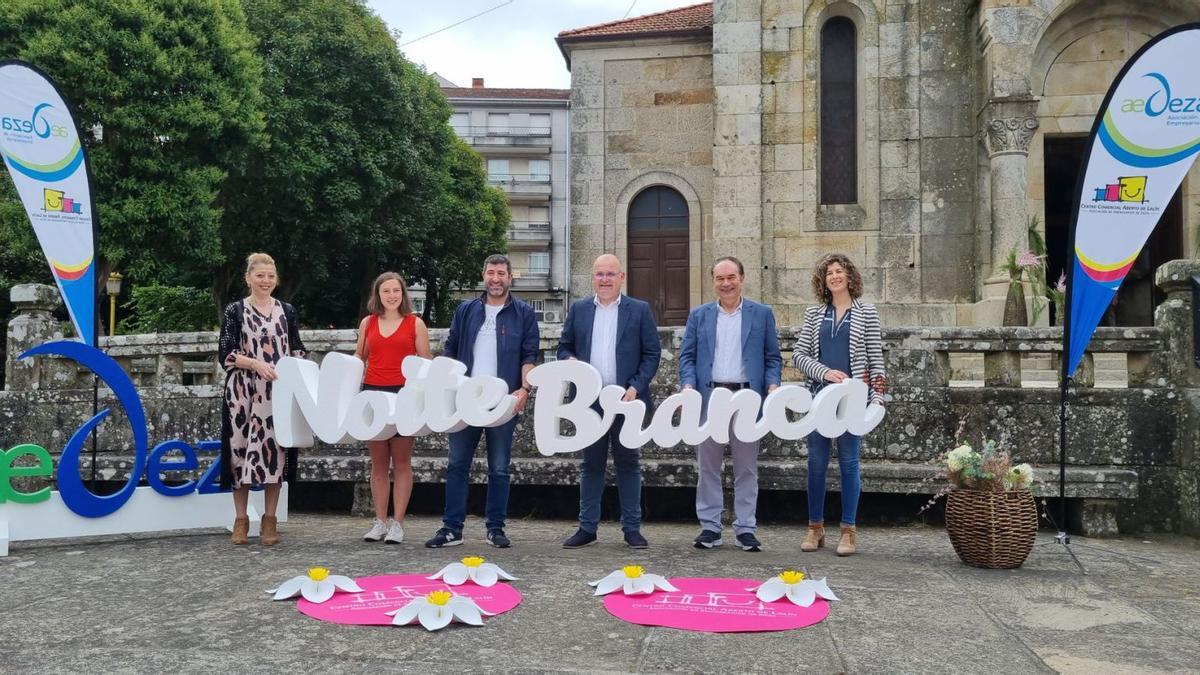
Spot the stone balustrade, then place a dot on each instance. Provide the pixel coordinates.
(1131, 451)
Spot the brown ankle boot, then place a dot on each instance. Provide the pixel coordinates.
(241, 531)
(846, 543)
(268, 533)
(814, 538)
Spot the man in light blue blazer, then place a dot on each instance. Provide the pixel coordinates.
(731, 343)
(617, 335)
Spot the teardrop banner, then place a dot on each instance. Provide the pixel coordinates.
(1144, 140)
(40, 143)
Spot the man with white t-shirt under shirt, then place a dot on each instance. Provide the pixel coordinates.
(495, 335)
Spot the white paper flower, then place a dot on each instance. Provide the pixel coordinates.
(317, 586)
(474, 568)
(436, 610)
(795, 587)
(632, 580)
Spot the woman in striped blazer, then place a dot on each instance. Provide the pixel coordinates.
(840, 338)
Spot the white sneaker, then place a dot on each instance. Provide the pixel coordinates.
(378, 529)
(395, 534)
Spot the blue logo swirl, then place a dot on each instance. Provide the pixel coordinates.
(42, 131)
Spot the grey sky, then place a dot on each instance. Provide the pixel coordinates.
(512, 46)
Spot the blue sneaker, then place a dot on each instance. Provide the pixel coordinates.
(444, 537)
(707, 539)
(749, 542)
(495, 537)
(634, 539)
(580, 539)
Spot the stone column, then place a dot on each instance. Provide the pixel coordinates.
(32, 325)
(1174, 316)
(1007, 128)
(737, 147)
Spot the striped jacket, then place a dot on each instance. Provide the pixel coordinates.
(866, 348)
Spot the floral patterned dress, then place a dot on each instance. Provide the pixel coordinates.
(250, 455)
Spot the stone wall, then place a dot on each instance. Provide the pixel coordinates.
(1132, 451)
(641, 115)
(955, 101)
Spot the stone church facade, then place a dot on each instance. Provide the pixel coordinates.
(920, 137)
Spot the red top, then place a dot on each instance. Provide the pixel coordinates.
(385, 354)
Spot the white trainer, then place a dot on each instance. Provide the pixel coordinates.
(378, 529)
(395, 534)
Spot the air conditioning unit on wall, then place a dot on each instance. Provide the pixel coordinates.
(552, 316)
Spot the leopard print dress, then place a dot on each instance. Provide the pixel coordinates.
(254, 456)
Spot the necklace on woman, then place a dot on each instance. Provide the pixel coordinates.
(258, 305)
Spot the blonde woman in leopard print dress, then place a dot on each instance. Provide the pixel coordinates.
(256, 333)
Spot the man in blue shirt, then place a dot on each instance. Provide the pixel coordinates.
(732, 344)
(495, 335)
(617, 335)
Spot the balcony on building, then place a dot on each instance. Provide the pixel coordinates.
(508, 140)
(523, 186)
(524, 235)
(531, 279)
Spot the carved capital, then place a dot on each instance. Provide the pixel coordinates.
(1009, 135)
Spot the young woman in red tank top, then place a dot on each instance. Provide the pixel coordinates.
(386, 336)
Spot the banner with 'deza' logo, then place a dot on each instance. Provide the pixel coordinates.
(40, 145)
(1142, 145)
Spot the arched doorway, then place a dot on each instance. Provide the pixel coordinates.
(658, 253)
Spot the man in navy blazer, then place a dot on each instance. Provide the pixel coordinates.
(618, 336)
(731, 343)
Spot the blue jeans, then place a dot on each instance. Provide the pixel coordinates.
(819, 447)
(499, 454)
(591, 482)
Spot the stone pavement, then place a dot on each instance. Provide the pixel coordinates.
(191, 602)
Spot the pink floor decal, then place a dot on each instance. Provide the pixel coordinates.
(714, 606)
(392, 591)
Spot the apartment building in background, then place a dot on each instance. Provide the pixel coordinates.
(522, 135)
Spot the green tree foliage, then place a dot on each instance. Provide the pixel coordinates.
(169, 309)
(359, 136)
(468, 223)
(167, 96)
(220, 127)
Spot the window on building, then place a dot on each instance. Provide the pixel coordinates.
(539, 263)
(461, 123)
(418, 305)
(497, 169)
(658, 208)
(497, 122)
(539, 215)
(539, 170)
(539, 125)
(839, 112)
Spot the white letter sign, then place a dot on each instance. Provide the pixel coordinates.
(439, 397)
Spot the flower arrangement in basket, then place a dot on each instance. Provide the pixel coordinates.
(990, 513)
(989, 470)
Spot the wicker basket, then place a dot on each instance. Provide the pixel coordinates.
(991, 529)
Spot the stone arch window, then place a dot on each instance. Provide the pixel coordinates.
(839, 112)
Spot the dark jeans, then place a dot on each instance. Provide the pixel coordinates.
(848, 447)
(499, 454)
(591, 482)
